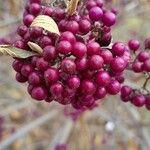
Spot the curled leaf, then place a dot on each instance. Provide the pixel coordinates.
(46, 23)
(72, 7)
(15, 52)
(35, 47)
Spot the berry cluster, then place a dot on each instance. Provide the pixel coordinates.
(140, 64)
(75, 68)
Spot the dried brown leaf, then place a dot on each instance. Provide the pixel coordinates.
(46, 23)
(35, 47)
(72, 7)
(15, 52)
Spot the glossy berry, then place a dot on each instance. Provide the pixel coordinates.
(143, 56)
(17, 65)
(102, 78)
(68, 66)
(134, 45)
(41, 64)
(81, 64)
(95, 13)
(72, 26)
(126, 91)
(146, 65)
(73, 82)
(118, 64)
(22, 30)
(45, 41)
(27, 20)
(85, 26)
(26, 70)
(107, 56)
(90, 4)
(56, 89)
(51, 75)
(88, 87)
(35, 9)
(137, 67)
(39, 93)
(20, 78)
(34, 79)
(118, 49)
(79, 50)
(100, 93)
(93, 48)
(138, 100)
(49, 53)
(64, 47)
(67, 36)
(96, 62)
(109, 19)
(114, 87)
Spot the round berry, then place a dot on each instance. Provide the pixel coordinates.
(27, 20)
(109, 19)
(100, 93)
(20, 78)
(147, 43)
(49, 53)
(143, 56)
(95, 13)
(114, 87)
(64, 47)
(73, 82)
(85, 26)
(126, 91)
(35, 9)
(68, 66)
(137, 67)
(107, 56)
(34, 79)
(102, 78)
(146, 65)
(36, 32)
(81, 64)
(68, 36)
(118, 64)
(134, 45)
(22, 30)
(51, 75)
(39, 93)
(88, 87)
(79, 50)
(56, 89)
(96, 62)
(72, 26)
(41, 64)
(26, 70)
(17, 65)
(93, 48)
(138, 100)
(118, 49)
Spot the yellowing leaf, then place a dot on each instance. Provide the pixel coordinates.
(35, 47)
(72, 7)
(46, 23)
(15, 52)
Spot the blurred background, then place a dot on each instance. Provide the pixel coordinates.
(29, 125)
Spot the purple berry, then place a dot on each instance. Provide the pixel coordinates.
(39, 93)
(102, 78)
(95, 13)
(134, 45)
